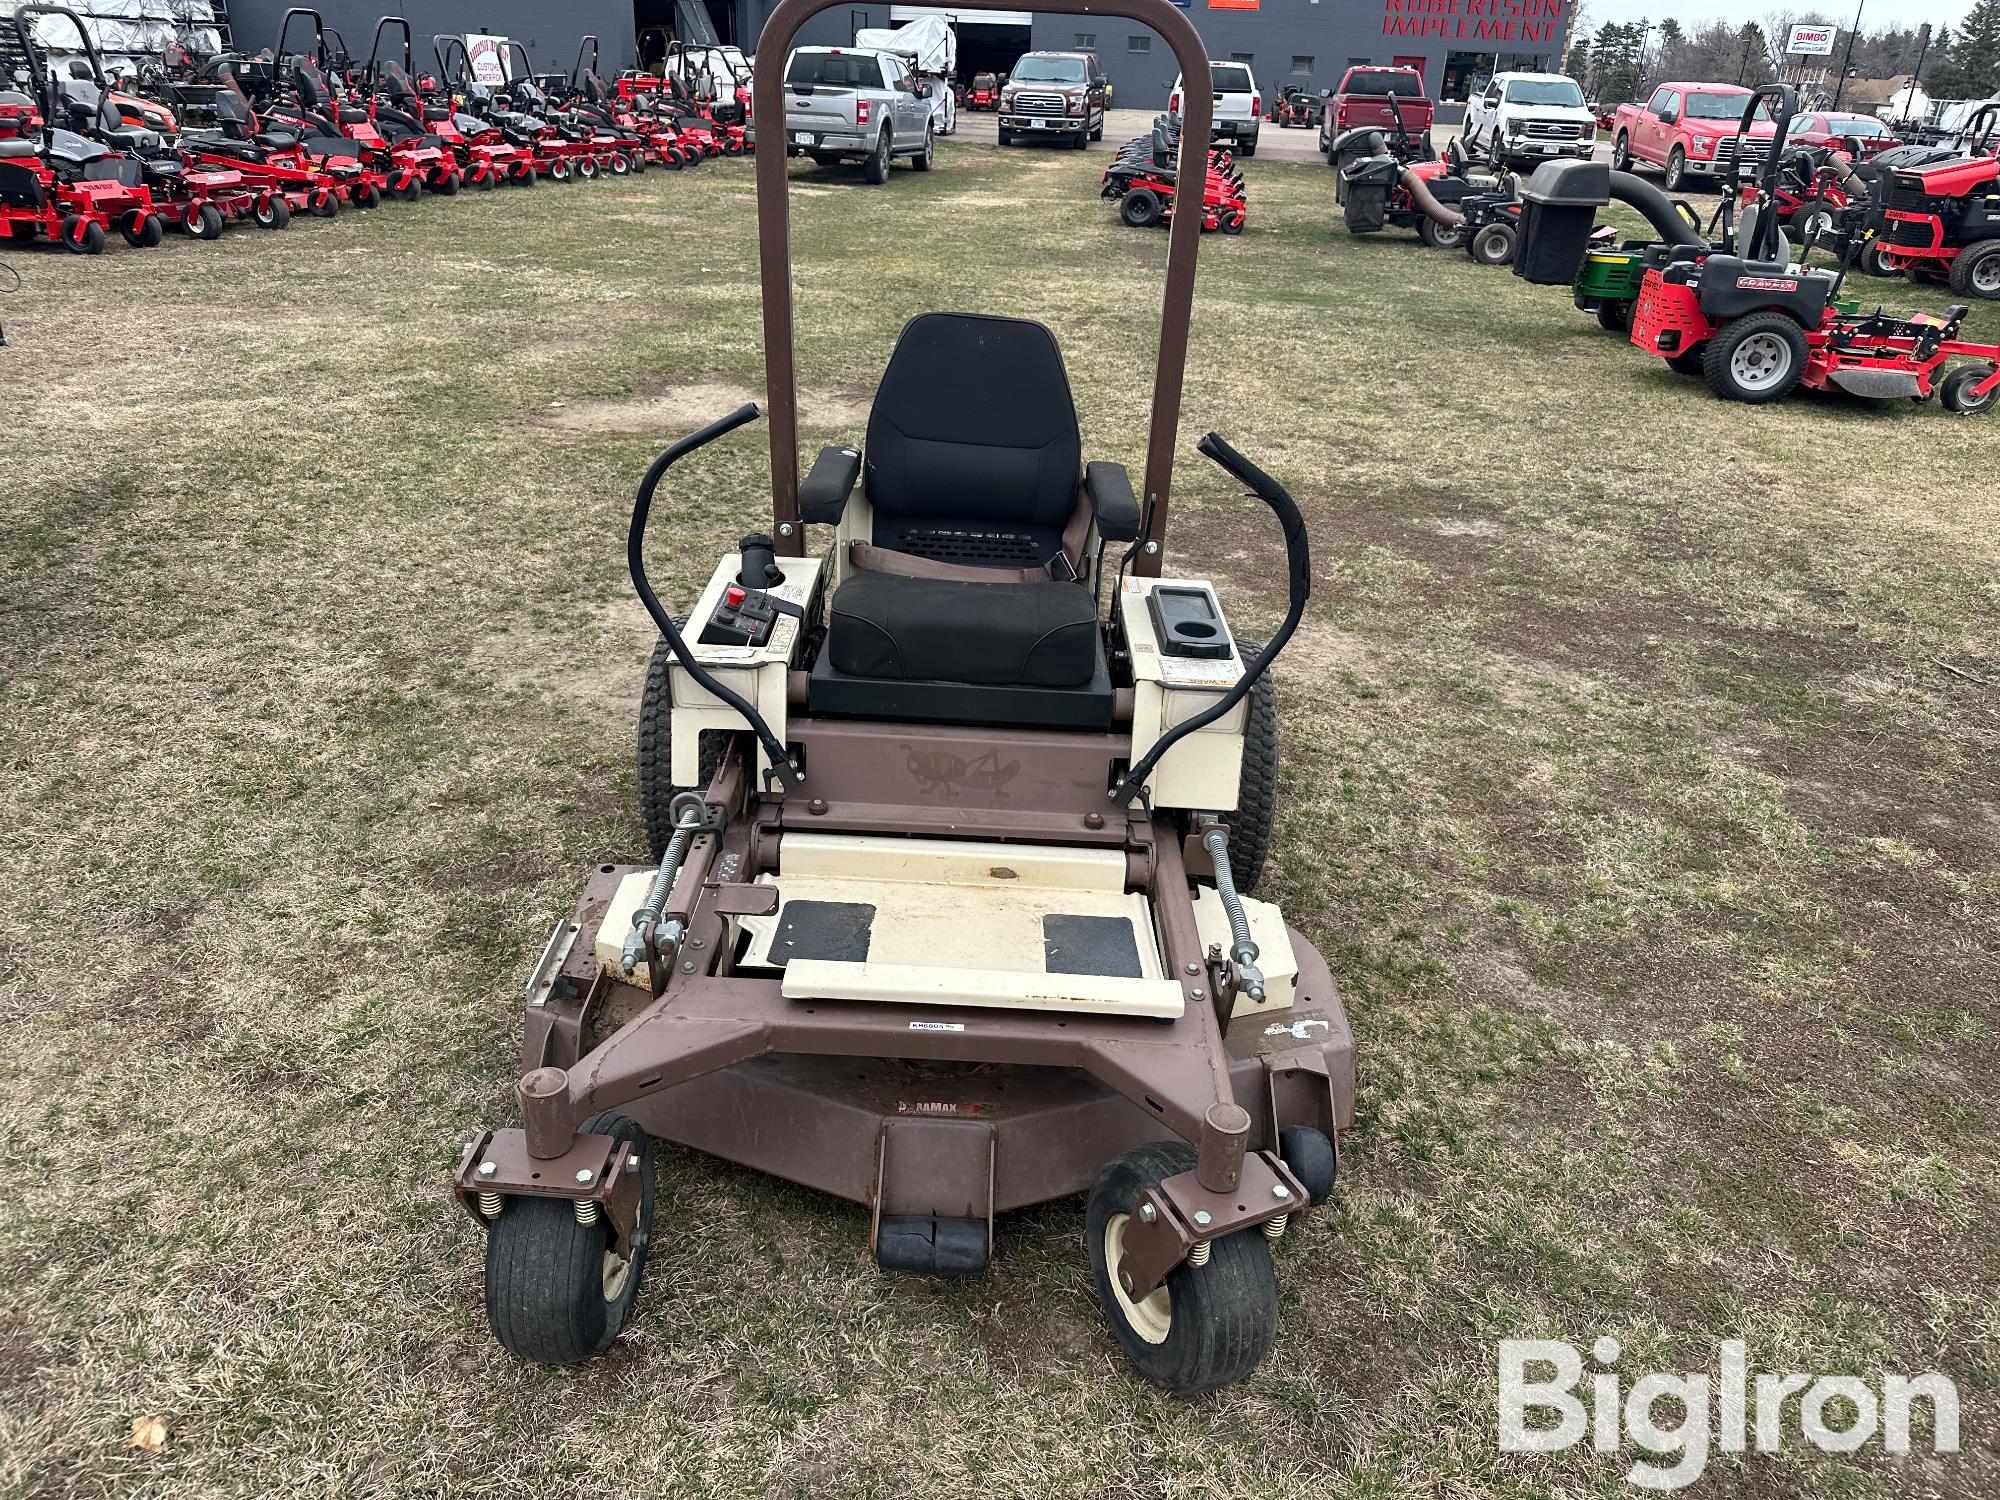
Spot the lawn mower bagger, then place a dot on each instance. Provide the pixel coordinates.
(1388, 178)
(76, 96)
(1143, 175)
(947, 913)
(1754, 323)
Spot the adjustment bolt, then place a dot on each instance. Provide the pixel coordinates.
(487, 1169)
(1147, 1213)
(1279, 1190)
(584, 1175)
(688, 967)
(1151, 548)
(1201, 1217)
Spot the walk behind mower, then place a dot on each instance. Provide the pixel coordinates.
(198, 200)
(948, 909)
(1942, 219)
(1143, 177)
(1387, 178)
(1295, 108)
(56, 185)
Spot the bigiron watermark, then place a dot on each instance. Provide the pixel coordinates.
(1679, 1422)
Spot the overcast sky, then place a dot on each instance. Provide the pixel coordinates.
(1875, 14)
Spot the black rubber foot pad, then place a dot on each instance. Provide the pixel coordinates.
(836, 930)
(930, 1246)
(1090, 945)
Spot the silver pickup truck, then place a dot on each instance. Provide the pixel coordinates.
(843, 104)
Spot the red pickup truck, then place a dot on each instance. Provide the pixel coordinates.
(1362, 100)
(1687, 130)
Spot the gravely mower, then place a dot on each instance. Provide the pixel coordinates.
(1387, 178)
(396, 118)
(199, 200)
(1143, 176)
(1942, 219)
(984, 92)
(620, 146)
(563, 144)
(1757, 325)
(947, 913)
(56, 185)
(269, 160)
(485, 154)
(294, 95)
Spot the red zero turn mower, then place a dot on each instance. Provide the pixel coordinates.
(199, 201)
(485, 154)
(270, 160)
(562, 146)
(1387, 179)
(1295, 106)
(65, 188)
(396, 114)
(1143, 178)
(620, 147)
(1762, 326)
(1942, 220)
(335, 135)
(947, 913)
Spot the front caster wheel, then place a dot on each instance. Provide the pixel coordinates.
(1205, 1326)
(556, 1290)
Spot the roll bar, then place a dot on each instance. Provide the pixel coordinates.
(1765, 238)
(278, 52)
(46, 88)
(774, 250)
(369, 74)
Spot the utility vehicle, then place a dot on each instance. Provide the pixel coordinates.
(953, 821)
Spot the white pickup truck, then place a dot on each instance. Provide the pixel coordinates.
(1238, 105)
(850, 104)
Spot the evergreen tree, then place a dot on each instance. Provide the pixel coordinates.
(1971, 68)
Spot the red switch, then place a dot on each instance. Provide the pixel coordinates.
(733, 595)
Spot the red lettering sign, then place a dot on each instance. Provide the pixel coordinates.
(1505, 21)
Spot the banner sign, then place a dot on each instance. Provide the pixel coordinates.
(1505, 21)
(1233, 4)
(489, 59)
(1811, 41)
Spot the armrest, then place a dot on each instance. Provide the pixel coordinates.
(823, 492)
(1112, 501)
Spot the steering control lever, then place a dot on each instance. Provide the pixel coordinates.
(1298, 559)
(784, 769)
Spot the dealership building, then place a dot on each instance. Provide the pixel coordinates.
(1455, 43)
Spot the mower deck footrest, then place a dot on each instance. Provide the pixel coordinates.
(1008, 989)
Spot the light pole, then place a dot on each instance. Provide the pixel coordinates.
(1840, 85)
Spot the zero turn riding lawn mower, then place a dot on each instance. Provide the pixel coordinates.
(620, 147)
(947, 913)
(268, 159)
(1942, 219)
(294, 94)
(199, 201)
(984, 93)
(1295, 108)
(1388, 179)
(56, 185)
(485, 154)
(528, 117)
(1757, 325)
(396, 119)
(1143, 176)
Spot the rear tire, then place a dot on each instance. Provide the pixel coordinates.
(922, 160)
(1615, 317)
(554, 1292)
(1256, 812)
(875, 170)
(1756, 359)
(1676, 174)
(1204, 1327)
(656, 760)
(1975, 271)
(1140, 208)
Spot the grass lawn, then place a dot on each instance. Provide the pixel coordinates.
(1642, 785)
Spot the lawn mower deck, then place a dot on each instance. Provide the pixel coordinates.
(948, 820)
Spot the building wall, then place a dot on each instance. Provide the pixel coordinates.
(550, 31)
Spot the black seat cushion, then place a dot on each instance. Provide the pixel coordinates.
(883, 625)
(974, 420)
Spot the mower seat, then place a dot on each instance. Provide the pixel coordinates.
(973, 463)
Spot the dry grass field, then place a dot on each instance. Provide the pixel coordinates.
(1642, 785)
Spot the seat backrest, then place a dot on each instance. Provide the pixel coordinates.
(974, 420)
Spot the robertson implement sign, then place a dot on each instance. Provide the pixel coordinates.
(1475, 20)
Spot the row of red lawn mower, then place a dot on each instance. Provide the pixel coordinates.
(197, 144)
(1147, 167)
(1740, 310)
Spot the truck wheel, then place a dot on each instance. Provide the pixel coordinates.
(922, 160)
(1247, 146)
(1756, 359)
(1677, 170)
(875, 170)
(1621, 153)
(1976, 270)
(1097, 132)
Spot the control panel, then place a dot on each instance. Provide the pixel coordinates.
(1183, 659)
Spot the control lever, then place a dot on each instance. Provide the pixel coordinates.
(1298, 557)
(784, 770)
(760, 568)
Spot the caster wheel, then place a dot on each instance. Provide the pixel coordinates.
(82, 237)
(1205, 1326)
(556, 1291)
(323, 205)
(273, 212)
(449, 184)
(620, 164)
(204, 221)
(143, 231)
(409, 192)
(369, 197)
(586, 169)
(1311, 1158)
(559, 171)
